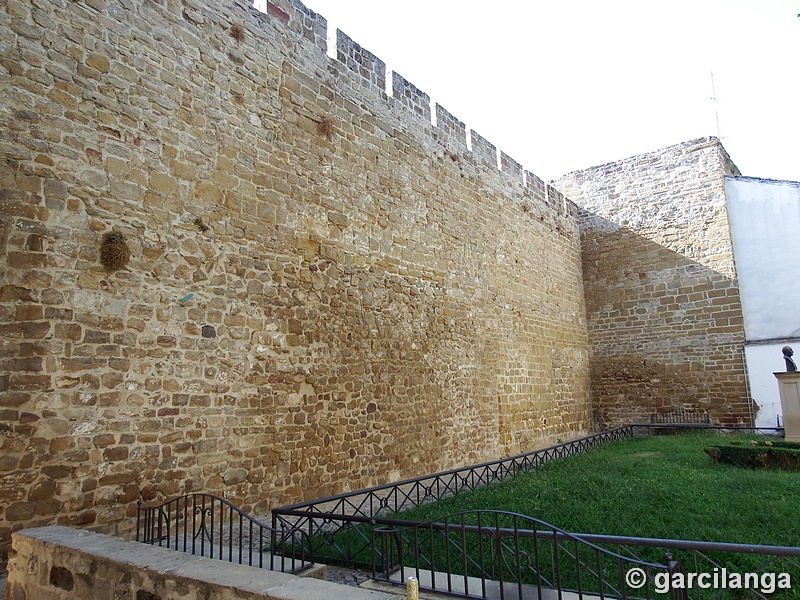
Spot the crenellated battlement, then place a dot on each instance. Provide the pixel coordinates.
(447, 127)
(361, 61)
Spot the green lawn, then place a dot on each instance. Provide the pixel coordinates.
(662, 486)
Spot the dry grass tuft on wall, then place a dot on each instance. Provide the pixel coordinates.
(114, 251)
(237, 32)
(327, 127)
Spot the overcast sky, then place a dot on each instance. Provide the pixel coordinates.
(562, 85)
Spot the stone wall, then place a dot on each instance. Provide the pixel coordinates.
(60, 563)
(325, 290)
(662, 299)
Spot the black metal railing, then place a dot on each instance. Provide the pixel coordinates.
(206, 525)
(681, 416)
(504, 555)
(734, 570)
(316, 516)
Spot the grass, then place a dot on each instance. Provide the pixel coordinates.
(663, 486)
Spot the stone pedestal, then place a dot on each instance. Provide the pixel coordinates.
(789, 386)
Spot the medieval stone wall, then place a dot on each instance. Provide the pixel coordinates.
(325, 290)
(662, 300)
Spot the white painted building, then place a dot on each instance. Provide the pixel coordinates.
(764, 217)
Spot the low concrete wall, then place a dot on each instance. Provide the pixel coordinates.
(60, 563)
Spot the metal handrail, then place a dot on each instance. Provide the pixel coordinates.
(503, 549)
(211, 526)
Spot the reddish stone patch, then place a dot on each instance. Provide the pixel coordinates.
(28, 417)
(276, 12)
(149, 492)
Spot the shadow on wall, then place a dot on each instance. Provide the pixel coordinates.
(666, 332)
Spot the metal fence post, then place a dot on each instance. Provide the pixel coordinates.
(673, 566)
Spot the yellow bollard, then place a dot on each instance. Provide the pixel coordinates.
(412, 588)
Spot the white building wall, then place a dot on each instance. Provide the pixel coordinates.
(762, 361)
(764, 218)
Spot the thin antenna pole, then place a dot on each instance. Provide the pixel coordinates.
(714, 98)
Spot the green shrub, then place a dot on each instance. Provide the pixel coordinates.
(758, 455)
(785, 444)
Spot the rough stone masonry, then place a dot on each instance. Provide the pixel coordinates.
(325, 290)
(664, 314)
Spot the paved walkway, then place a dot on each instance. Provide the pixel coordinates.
(490, 589)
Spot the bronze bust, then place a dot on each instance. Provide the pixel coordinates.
(787, 356)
